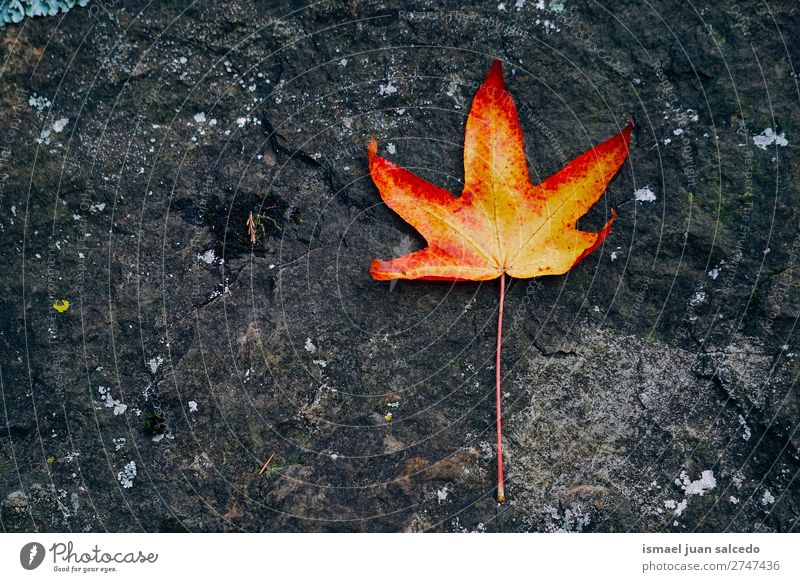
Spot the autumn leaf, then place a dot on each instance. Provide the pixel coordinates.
(502, 223)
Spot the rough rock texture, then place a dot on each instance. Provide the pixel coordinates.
(653, 388)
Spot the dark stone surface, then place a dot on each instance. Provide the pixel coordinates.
(634, 383)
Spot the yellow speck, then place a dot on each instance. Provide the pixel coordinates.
(61, 305)
(388, 417)
(51, 459)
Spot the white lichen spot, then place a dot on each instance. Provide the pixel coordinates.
(60, 124)
(487, 451)
(387, 89)
(390, 147)
(154, 364)
(734, 500)
(713, 273)
(698, 298)
(767, 498)
(192, 406)
(207, 257)
(441, 494)
(746, 432)
(110, 402)
(677, 131)
(127, 475)
(200, 117)
(706, 482)
(768, 137)
(320, 363)
(644, 195)
(310, 347)
(39, 103)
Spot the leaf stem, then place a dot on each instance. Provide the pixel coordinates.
(501, 495)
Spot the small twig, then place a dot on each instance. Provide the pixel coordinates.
(251, 228)
(264, 468)
(266, 216)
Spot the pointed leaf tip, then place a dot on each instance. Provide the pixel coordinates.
(495, 75)
(372, 149)
(375, 268)
(601, 236)
(626, 131)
